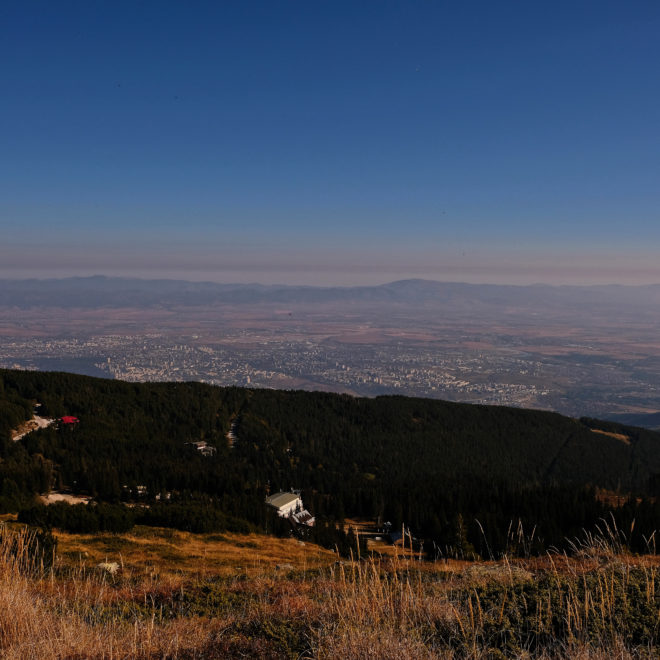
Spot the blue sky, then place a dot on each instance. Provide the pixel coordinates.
(331, 142)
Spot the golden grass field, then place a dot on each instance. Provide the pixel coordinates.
(165, 552)
(180, 595)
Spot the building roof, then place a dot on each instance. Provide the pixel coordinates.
(282, 499)
(304, 518)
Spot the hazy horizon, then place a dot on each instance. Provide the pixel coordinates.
(344, 270)
(240, 279)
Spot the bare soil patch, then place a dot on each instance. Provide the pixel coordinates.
(617, 436)
(31, 425)
(52, 498)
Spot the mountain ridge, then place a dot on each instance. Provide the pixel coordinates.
(99, 291)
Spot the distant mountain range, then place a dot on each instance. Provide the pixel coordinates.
(101, 291)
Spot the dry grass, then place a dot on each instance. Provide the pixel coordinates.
(228, 599)
(164, 552)
(38, 617)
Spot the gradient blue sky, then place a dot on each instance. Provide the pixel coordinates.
(331, 142)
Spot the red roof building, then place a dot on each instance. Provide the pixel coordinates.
(69, 420)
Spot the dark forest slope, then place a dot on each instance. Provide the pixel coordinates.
(417, 461)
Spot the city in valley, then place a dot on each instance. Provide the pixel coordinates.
(579, 351)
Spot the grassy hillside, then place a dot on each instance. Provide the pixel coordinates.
(181, 596)
(434, 466)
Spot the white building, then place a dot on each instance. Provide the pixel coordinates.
(285, 503)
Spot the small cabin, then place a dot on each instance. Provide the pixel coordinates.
(290, 506)
(285, 503)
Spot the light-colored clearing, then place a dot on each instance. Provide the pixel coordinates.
(31, 425)
(617, 436)
(51, 498)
